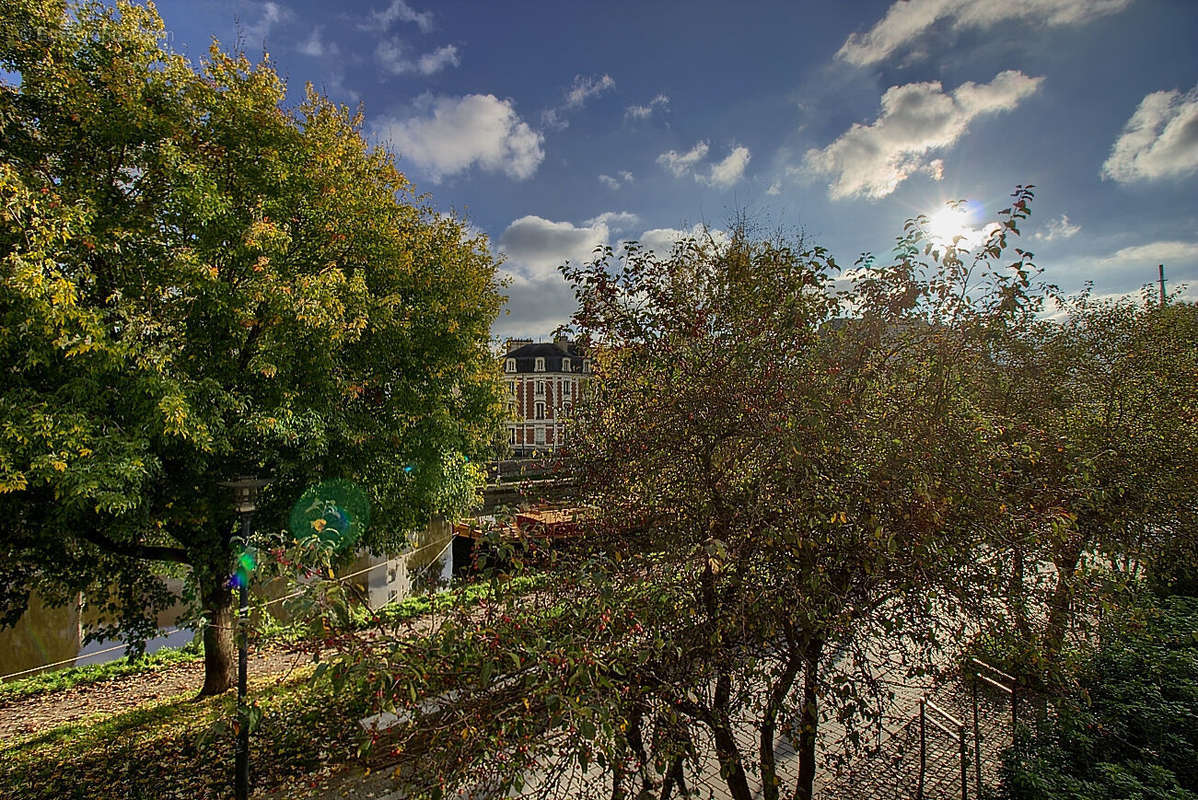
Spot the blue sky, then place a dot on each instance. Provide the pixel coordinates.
(554, 127)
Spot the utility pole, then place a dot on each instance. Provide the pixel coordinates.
(1161, 267)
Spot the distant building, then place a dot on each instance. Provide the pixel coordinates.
(544, 381)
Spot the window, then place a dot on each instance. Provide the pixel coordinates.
(565, 365)
(540, 367)
(510, 366)
(540, 411)
(566, 409)
(511, 408)
(586, 365)
(511, 435)
(511, 388)
(540, 436)
(540, 388)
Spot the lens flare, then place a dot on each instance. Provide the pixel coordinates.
(336, 512)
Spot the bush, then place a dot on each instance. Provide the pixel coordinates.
(1130, 729)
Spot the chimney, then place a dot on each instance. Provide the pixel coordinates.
(515, 344)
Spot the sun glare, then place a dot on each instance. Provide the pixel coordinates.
(948, 223)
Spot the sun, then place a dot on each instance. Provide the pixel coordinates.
(945, 225)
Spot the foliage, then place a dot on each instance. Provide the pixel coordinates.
(198, 282)
(1129, 729)
(1099, 413)
(789, 482)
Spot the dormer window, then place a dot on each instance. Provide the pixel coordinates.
(586, 365)
(565, 365)
(510, 365)
(540, 366)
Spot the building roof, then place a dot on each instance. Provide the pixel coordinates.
(553, 353)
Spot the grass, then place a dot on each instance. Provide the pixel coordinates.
(44, 682)
(392, 613)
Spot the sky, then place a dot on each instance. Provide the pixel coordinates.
(558, 127)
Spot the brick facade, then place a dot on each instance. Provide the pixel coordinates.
(544, 381)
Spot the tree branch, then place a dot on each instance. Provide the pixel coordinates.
(143, 551)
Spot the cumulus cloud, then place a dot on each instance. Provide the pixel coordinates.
(681, 163)
(660, 102)
(916, 119)
(316, 46)
(1159, 141)
(775, 188)
(662, 240)
(721, 175)
(730, 170)
(908, 20)
(394, 56)
(400, 11)
(1059, 228)
(535, 246)
(615, 221)
(448, 135)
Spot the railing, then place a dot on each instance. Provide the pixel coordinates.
(957, 736)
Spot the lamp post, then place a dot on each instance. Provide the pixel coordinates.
(245, 499)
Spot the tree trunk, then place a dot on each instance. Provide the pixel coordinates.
(218, 640)
(1060, 604)
(805, 788)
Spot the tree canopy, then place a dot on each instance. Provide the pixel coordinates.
(200, 280)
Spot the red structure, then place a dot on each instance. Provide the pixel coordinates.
(544, 381)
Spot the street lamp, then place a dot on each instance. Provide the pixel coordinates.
(245, 499)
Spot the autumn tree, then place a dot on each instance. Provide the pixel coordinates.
(1099, 411)
(198, 280)
(790, 489)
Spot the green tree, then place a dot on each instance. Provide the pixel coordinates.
(198, 281)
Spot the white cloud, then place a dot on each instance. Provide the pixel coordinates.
(1059, 228)
(535, 246)
(580, 92)
(1159, 141)
(917, 118)
(448, 135)
(907, 20)
(721, 174)
(624, 178)
(661, 102)
(1151, 254)
(316, 46)
(730, 170)
(400, 11)
(681, 163)
(616, 221)
(662, 240)
(272, 14)
(586, 87)
(775, 188)
(393, 55)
